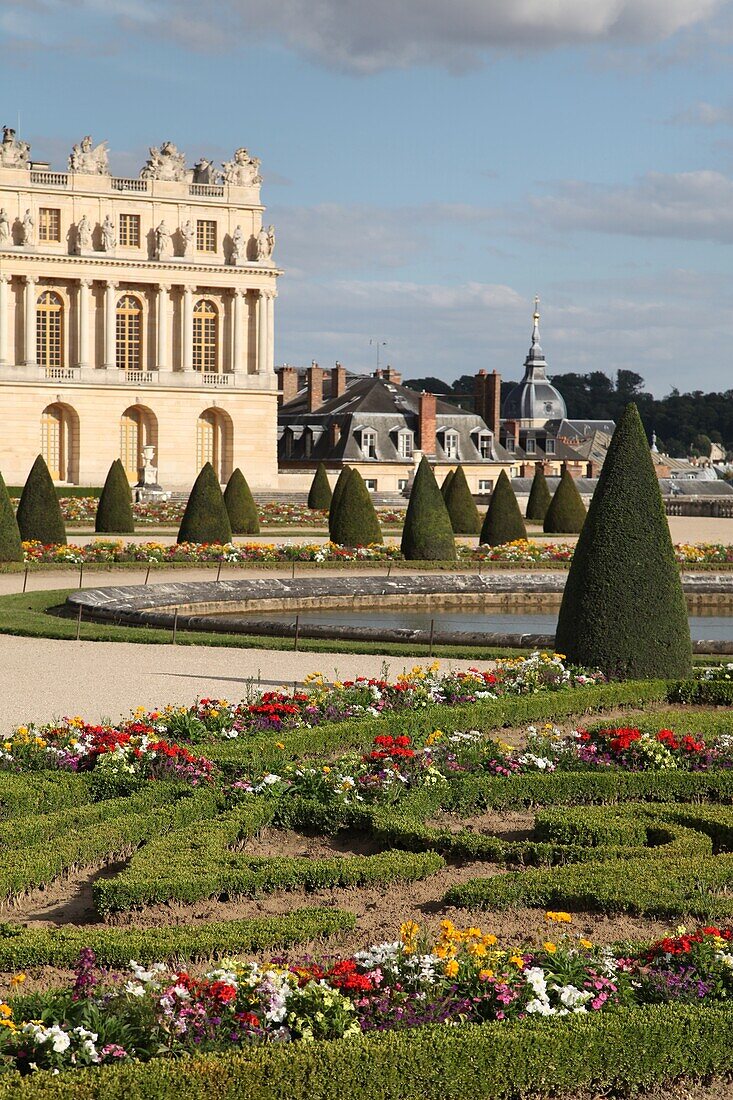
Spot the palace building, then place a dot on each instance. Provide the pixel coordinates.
(136, 313)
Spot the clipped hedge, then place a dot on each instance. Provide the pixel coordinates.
(205, 518)
(240, 506)
(319, 494)
(114, 510)
(25, 947)
(503, 521)
(39, 512)
(631, 1047)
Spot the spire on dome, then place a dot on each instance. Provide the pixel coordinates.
(536, 323)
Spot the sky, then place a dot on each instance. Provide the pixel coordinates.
(430, 166)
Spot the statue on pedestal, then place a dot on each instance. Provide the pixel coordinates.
(5, 231)
(163, 244)
(242, 170)
(204, 171)
(165, 163)
(83, 235)
(89, 160)
(109, 237)
(265, 243)
(27, 230)
(239, 246)
(187, 235)
(13, 153)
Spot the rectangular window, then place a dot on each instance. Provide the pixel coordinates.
(531, 447)
(550, 446)
(451, 445)
(404, 445)
(369, 444)
(485, 486)
(49, 224)
(371, 484)
(510, 444)
(402, 483)
(130, 230)
(484, 446)
(206, 236)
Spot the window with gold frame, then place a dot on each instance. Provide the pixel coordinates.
(49, 224)
(128, 343)
(206, 236)
(49, 330)
(129, 230)
(205, 336)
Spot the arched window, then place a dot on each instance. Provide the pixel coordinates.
(60, 441)
(205, 336)
(214, 442)
(129, 329)
(49, 333)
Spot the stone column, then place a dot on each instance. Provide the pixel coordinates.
(187, 349)
(270, 361)
(31, 289)
(4, 320)
(110, 326)
(163, 362)
(85, 287)
(261, 332)
(239, 351)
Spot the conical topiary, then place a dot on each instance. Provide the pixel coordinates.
(336, 499)
(356, 523)
(320, 495)
(427, 534)
(447, 483)
(503, 521)
(39, 513)
(205, 518)
(114, 509)
(10, 542)
(623, 609)
(461, 506)
(539, 496)
(566, 512)
(240, 506)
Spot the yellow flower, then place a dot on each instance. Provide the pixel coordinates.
(490, 940)
(558, 918)
(474, 932)
(436, 735)
(484, 975)
(279, 744)
(409, 930)
(551, 947)
(585, 943)
(447, 927)
(516, 960)
(326, 771)
(477, 950)
(7, 745)
(5, 1010)
(17, 978)
(451, 968)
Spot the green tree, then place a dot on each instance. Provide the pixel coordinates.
(503, 521)
(427, 534)
(336, 499)
(39, 513)
(320, 495)
(240, 506)
(566, 512)
(447, 483)
(10, 542)
(461, 506)
(539, 496)
(205, 518)
(356, 523)
(623, 609)
(114, 510)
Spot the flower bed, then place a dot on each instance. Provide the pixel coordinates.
(463, 976)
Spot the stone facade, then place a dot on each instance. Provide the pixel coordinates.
(136, 311)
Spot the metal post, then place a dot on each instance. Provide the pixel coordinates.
(389, 570)
(25, 578)
(147, 575)
(81, 574)
(297, 632)
(218, 572)
(78, 624)
(293, 573)
(175, 626)
(432, 635)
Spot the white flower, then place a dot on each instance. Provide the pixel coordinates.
(135, 989)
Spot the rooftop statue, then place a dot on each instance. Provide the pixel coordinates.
(265, 243)
(205, 172)
(13, 153)
(165, 163)
(242, 170)
(89, 159)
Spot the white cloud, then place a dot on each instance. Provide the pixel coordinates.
(705, 114)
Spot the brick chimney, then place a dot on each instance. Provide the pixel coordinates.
(487, 395)
(389, 374)
(315, 386)
(426, 424)
(287, 380)
(338, 380)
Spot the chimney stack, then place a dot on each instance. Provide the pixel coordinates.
(315, 386)
(426, 424)
(487, 394)
(287, 380)
(338, 380)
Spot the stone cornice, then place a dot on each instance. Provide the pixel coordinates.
(145, 270)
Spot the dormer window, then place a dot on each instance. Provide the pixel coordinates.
(405, 443)
(510, 446)
(450, 444)
(369, 443)
(550, 446)
(530, 447)
(484, 445)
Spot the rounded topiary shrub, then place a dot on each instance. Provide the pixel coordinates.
(503, 521)
(356, 522)
(205, 518)
(39, 512)
(320, 495)
(623, 609)
(114, 510)
(539, 496)
(447, 483)
(427, 534)
(336, 499)
(566, 512)
(240, 506)
(461, 506)
(10, 541)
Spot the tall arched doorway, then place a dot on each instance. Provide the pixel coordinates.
(138, 429)
(215, 441)
(60, 442)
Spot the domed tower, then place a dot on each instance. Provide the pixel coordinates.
(535, 400)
